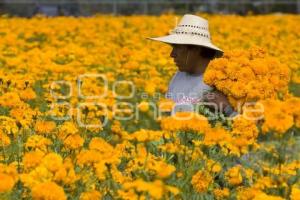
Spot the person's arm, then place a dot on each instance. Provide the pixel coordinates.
(221, 102)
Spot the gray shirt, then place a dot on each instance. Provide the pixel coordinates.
(186, 90)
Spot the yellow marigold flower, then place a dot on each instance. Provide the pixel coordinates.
(249, 173)
(291, 168)
(245, 128)
(197, 154)
(8, 125)
(60, 174)
(73, 141)
(297, 121)
(213, 166)
(101, 168)
(248, 75)
(296, 78)
(87, 157)
(276, 117)
(37, 142)
(221, 193)
(44, 127)
(171, 148)
(243, 75)
(100, 152)
(185, 121)
(91, 195)
(162, 169)
(143, 106)
(100, 144)
(119, 176)
(156, 189)
(32, 159)
(292, 105)
(201, 181)
(263, 196)
(150, 88)
(244, 133)
(8, 177)
(144, 135)
(48, 191)
(68, 128)
(52, 162)
(234, 176)
(24, 115)
(247, 193)
(5, 140)
(239, 145)
(7, 182)
(216, 135)
(10, 99)
(66, 173)
(295, 194)
(165, 105)
(173, 190)
(264, 183)
(116, 127)
(216, 168)
(128, 194)
(279, 122)
(27, 94)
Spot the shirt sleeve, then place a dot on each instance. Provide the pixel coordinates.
(170, 91)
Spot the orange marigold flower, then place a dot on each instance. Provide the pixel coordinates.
(91, 195)
(143, 106)
(8, 177)
(185, 121)
(27, 94)
(201, 181)
(48, 191)
(221, 193)
(44, 127)
(73, 141)
(52, 162)
(7, 182)
(295, 194)
(234, 176)
(32, 159)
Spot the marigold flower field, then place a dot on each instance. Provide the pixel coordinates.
(79, 100)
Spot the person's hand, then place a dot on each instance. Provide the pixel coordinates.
(218, 100)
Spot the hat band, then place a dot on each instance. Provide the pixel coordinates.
(178, 31)
(193, 26)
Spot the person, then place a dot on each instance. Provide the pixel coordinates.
(192, 52)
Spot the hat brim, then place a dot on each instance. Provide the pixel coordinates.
(186, 39)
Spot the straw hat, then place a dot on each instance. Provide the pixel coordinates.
(191, 30)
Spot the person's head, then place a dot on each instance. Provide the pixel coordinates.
(192, 58)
